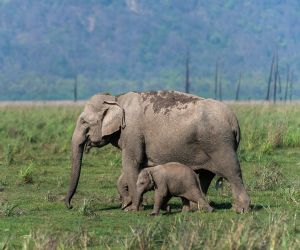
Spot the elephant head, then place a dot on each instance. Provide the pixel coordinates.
(96, 126)
(144, 183)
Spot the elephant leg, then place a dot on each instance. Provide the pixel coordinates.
(185, 205)
(123, 191)
(131, 162)
(195, 196)
(159, 201)
(205, 177)
(227, 165)
(242, 199)
(165, 206)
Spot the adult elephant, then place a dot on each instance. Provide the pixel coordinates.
(157, 127)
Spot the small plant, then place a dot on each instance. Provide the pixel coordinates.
(49, 197)
(26, 174)
(268, 175)
(4, 181)
(10, 210)
(60, 182)
(8, 150)
(55, 150)
(5, 243)
(87, 210)
(267, 148)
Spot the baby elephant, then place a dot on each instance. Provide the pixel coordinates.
(171, 179)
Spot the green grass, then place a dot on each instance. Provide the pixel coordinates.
(35, 173)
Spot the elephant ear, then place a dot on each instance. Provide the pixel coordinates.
(152, 180)
(114, 118)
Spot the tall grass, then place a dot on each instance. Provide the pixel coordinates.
(279, 231)
(268, 127)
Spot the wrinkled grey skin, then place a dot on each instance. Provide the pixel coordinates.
(171, 179)
(157, 127)
(123, 191)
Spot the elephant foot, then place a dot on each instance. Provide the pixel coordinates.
(153, 214)
(209, 209)
(126, 202)
(193, 206)
(133, 208)
(239, 209)
(206, 208)
(168, 209)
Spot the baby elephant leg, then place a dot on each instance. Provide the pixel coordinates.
(165, 206)
(185, 205)
(203, 203)
(159, 201)
(197, 198)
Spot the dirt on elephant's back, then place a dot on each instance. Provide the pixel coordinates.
(167, 100)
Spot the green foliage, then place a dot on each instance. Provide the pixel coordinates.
(26, 173)
(145, 40)
(9, 210)
(8, 154)
(87, 210)
(45, 238)
(49, 196)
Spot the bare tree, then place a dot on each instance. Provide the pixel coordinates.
(238, 88)
(187, 84)
(216, 78)
(220, 84)
(279, 82)
(275, 74)
(270, 78)
(291, 86)
(287, 81)
(75, 82)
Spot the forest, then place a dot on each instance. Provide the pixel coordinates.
(124, 45)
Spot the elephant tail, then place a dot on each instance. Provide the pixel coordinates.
(219, 183)
(236, 132)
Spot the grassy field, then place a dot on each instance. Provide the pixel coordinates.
(35, 172)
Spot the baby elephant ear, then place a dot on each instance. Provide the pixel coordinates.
(113, 119)
(151, 179)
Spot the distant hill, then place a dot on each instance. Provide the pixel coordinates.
(124, 45)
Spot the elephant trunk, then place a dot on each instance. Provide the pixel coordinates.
(139, 197)
(77, 152)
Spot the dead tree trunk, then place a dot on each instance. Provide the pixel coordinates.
(75, 82)
(238, 88)
(275, 87)
(275, 75)
(291, 86)
(216, 78)
(279, 82)
(270, 78)
(287, 81)
(220, 85)
(187, 83)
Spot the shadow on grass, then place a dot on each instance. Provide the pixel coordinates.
(228, 205)
(219, 206)
(256, 207)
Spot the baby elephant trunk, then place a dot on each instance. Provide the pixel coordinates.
(139, 197)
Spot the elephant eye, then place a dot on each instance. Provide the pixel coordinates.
(142, 182)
